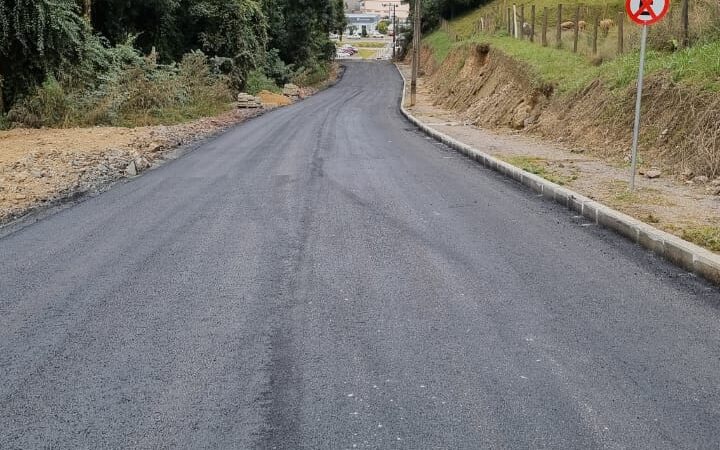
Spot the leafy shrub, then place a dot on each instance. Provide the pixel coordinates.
(47, 106)
(135, 91)
(309, 76)
(258, 81)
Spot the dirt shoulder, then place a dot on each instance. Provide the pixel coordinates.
(41, 168)
(685, 206)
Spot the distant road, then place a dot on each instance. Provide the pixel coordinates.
(325, 277)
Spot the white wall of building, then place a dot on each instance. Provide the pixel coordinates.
(376, 7)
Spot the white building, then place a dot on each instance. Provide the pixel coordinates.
(384, 8)
(353, 6)
(357, 23)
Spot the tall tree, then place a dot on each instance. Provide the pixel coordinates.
(339, 17)
(37, 38)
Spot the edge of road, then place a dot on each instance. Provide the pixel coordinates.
(41, 212)
(684, 254)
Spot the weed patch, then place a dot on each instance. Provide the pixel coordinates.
(708, 237)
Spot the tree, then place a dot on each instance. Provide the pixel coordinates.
(383, 26)
(37, 39)
(340, 19)
(232, 28)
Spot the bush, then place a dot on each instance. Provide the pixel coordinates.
(135, 91)
(47, 106)
(258, 81)
(309, 76)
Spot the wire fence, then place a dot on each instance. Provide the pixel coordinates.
(602, 32)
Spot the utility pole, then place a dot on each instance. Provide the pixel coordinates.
(416, 53)
(394, 25)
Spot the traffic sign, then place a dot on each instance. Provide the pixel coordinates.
(646, 12)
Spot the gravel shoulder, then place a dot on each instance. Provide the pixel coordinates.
(678, 205)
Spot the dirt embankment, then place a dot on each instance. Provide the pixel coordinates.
(680, 132)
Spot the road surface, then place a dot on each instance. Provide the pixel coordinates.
(326, 277)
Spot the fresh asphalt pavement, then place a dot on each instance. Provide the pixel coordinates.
(326, 277)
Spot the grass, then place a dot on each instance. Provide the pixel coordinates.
(539, 167)
(496, 10)
(706, 236)
(698, 66)
(362, 44)
(440, 43)
(366, 53)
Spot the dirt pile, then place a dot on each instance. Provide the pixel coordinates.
(271, 99)
(490, 89)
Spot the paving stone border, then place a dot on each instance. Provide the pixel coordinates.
(687, 255)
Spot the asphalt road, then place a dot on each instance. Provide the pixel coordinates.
(324, 276)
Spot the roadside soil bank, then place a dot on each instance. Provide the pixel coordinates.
(44, 167)
(479, 115)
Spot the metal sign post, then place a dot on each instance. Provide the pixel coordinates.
(644, 13)
(638, 102)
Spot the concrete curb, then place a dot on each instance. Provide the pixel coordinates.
(684, 254)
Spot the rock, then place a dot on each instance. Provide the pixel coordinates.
(291, 90)
(687, 174)
(141, 163)
(653, 173)
(248, 101)
(715, 182)
(37, 173)
(154, 147)
(521, 114)
(701, 179)
(131, 169)
(713, 190)
(20, 197)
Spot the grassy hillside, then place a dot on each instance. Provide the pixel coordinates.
(697, 66)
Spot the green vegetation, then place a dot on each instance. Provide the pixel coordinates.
(366, 53)
(698, 66)
(72, 62)
(708, 237)
(366, 44)
(383, 26)
(440, 43)
(539, 167)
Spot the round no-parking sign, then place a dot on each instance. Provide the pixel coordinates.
(646, 12)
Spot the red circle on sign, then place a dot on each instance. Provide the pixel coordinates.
(645, 15)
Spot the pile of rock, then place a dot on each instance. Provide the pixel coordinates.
(292, 91)
(245, 100)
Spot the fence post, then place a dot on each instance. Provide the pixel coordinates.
(596, 26)
(544, 27)
(577, 29)
(685, 14)
(532, 23)
(558, 35)
(522, 22)
(509, 23)
(621, 37)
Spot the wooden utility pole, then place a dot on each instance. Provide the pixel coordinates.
(416, 53)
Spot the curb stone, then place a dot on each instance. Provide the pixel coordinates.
(684, 254)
